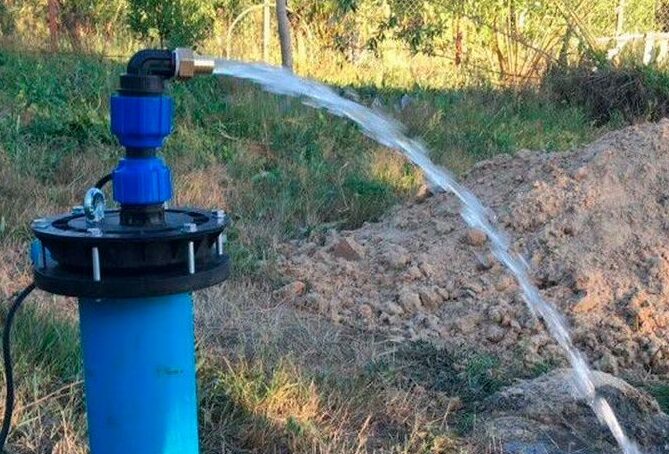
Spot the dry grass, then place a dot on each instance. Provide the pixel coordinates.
(23, 196)
(279, 380)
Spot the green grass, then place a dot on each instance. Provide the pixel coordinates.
(471, 124)
(661, 393)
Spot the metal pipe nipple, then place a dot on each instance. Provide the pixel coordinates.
(190, 64)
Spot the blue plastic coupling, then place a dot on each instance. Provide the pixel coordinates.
(142, 123)
(142, 181)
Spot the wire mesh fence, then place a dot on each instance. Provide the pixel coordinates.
(642, 25)
(426, 42)
(509, 41)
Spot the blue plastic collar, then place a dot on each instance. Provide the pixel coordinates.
(146, 181)
(141, 121)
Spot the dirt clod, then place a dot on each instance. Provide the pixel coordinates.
(348, 249)
(290, 291)
(474, 237)
(542, 415)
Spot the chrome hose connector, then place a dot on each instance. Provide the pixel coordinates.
(189, 64)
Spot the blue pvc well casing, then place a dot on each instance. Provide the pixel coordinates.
(139, 365)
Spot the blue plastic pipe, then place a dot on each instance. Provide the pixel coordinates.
(139, 365)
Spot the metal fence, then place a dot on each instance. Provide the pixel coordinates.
(513, 41)
(641, 24)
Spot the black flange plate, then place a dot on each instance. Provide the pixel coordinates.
(116, 261)
(59, 281)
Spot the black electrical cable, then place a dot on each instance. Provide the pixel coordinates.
(103, 181)
(7, 360)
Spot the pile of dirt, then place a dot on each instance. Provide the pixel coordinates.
(592, 223)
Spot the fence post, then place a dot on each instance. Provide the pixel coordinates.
(53, 25)
(620, 18)
(284, 34)
(648, 48)
(267, 30)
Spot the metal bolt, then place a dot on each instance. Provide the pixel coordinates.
(220, 216)
(95, 231)
(78, 210)
(190, 227)
(220, 241)
(95, 255)
(41, 223)
(191, 257)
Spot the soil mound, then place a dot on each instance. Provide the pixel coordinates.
(592, 223)
(542, 416)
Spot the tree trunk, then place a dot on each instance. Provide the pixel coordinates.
(53, 25)
(284, 34)
(458, 42)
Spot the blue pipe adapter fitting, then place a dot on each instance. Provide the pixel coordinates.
(142, 181)
(141, 124)
(141, 121)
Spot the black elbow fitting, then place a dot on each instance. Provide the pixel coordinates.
(152, 62)
(147, 72)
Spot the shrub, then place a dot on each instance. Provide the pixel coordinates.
(6, 20)
(630, 91)
(172, 22)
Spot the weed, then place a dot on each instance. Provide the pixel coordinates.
(661, 393)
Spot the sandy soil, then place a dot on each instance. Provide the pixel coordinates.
(592, 224)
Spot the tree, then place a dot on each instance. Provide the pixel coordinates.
(284, 34)
(173, 22)
(6, 20)
(53, 24)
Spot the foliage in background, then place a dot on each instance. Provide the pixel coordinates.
(507, 42)
(172, 22)
(630, 91)
(6, 20)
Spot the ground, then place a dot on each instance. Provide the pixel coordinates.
(590, 223)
